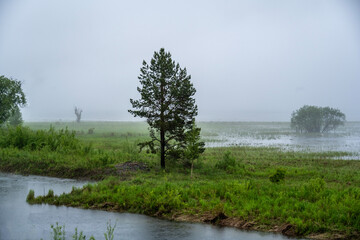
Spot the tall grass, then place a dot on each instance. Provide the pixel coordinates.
(61, 153)
(24, 138)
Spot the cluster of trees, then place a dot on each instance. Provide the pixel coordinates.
(12, 98)
(313, 119)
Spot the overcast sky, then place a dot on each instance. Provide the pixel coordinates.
(249, 60)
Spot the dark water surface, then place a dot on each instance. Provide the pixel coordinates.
(19, 220)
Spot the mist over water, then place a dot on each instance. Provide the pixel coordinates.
(223, 134)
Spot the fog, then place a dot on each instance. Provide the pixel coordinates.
(249, 60)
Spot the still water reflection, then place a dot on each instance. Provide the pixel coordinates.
(19, 220)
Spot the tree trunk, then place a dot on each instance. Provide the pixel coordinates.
(162, 152)
(192, 167)
(162, 125)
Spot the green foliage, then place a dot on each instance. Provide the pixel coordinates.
(24, 138)
(11, 97)
(50, 193)
(313, 189)
(31, 196)
(15, 118)
(193, 146)
(314, 119)
(166, 102)
(278, 176)
(227, 162)
(58, 232)
(79, 236)
(109, 235)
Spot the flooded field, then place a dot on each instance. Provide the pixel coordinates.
(279, 134)
(224, 134)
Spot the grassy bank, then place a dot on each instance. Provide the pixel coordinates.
(67, 153)
(296, 193)
(312, 207)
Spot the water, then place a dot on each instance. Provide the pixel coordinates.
(274, 134)
(19, 220)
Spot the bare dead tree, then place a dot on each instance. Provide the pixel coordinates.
(78, 112)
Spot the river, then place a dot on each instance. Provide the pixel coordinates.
(19, 220)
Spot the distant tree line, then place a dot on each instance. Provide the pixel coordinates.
(313, 119)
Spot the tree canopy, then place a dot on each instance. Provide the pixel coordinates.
(11, 98)
(314, 119)
(166, 102)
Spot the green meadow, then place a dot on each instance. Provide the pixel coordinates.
(296, 193)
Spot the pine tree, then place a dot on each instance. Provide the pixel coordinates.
(166, 102)
(194, 146)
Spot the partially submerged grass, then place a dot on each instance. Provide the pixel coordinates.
(59, 233)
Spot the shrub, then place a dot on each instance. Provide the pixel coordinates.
(50, 193)
(278, 176)
(30, 196)
(91, 130)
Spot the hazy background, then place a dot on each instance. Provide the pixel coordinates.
(249, 60)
